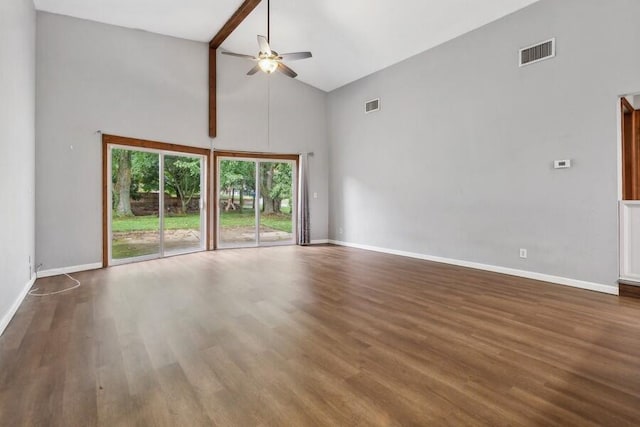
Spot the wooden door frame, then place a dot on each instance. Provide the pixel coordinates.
(249, 155)
(630, 131)
(155, 145)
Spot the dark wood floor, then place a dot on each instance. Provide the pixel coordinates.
(318, 336)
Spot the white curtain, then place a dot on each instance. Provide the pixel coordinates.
(304, 226)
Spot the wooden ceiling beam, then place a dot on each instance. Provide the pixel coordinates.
(213, 94)
(243, 11)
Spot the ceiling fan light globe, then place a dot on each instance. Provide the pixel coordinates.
(268, 65)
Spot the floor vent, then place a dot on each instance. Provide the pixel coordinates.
(371, 106)
(538, 52)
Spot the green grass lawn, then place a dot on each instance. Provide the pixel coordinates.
(150, 223)
(281, 222)
(233, 219)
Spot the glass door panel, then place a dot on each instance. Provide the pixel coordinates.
(182, 204)
(276, 202)
(142, 224)
(135, 219)
(237, 203)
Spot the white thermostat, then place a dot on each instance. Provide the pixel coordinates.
(561, 164)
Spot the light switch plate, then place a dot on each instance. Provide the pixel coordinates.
(562, 164)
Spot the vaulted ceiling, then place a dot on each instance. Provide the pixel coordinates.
(349, 38)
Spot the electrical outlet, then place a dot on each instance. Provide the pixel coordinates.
(523, 253)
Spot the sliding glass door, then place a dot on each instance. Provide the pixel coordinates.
(134, 176)
(157, 201)
(183, 202)
(275, 219)
(236, 203)
(256, 201)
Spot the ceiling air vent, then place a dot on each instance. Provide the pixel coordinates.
(371, 106)
(538, 52)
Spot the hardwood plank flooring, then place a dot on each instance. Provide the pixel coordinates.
(319, 335)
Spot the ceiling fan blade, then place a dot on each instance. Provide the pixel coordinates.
(239, 55)
(294, 56)
(286, 70)
(253, 70)
(264, 45)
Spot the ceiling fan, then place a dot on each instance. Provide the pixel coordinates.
(269, 60)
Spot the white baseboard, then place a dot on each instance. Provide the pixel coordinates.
(320, 241)
(16, 304)
(630, 278)
(67, 270)
(598, 287)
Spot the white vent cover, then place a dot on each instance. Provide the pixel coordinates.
(538, 52)
(371, 106)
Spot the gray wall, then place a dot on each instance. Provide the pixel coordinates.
(17, 141)
(126, 82)
(458, 163)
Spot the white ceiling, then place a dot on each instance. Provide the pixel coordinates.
(349, 38)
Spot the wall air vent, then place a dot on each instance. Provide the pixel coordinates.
(538, 52)
(371, 106)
